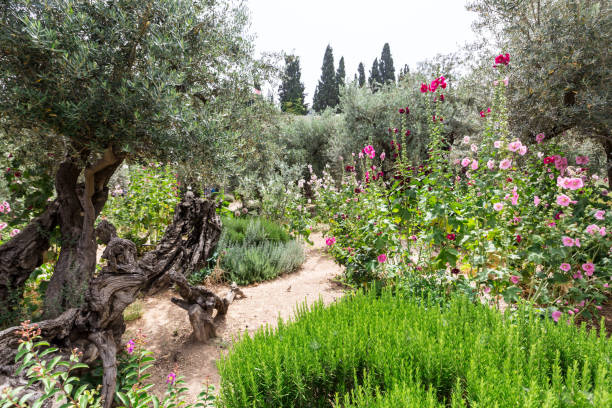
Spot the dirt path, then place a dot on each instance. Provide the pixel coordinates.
(168, 331)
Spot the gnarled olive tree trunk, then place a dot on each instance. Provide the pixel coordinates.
(96, 326)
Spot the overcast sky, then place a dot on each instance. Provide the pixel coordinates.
(415, 30)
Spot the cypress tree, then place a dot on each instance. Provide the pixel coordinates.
(291, 91)
(375, 80)
(341, 73)
(326, 93)
(403, 72)
(387, 71)
(362, 77)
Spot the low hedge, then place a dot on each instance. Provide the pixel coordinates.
(251, 230)
(394, 351)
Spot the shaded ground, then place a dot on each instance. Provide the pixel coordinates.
(168, 330)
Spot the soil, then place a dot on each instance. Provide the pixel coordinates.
(168, 332)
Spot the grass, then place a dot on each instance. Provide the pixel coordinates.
(133, 311)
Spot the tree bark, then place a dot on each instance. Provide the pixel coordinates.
(96, 326)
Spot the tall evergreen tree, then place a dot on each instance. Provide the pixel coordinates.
(375, 80)
(291, 91)
(403, 72)
(362, 77)
(341, 73)
(387, 71)
(327, 93)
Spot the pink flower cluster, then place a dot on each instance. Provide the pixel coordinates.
(330, 241)
(582, 160)
(5, 208)
(517, 146)
(595, 229)
(571, 183)
(570, 242)
(438, 82)
(369, 151)
(502, 59)
(540, 137)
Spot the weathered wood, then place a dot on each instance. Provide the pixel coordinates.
(200, 304)
(97, 325)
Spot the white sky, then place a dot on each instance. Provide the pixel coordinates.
(415, 30)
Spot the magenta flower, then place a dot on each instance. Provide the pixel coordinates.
(515, 279)
(514, 146)
(565, 267)
(401, 110)
(330, 241)
(451, 237)
(588, 268)
(563, 200)
(369, 151)
(382, 258)
(130, 346)
(423, 88)
(14, 232)
(474, 165)
(556, 315)
(465, 162)
(600, 214)
(382, 156)
(539, 137)
(3, 225)
(171, 378)
(536, 200)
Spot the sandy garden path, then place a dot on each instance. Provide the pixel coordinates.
(168, 330)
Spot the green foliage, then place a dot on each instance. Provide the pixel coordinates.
(142, 209)
(133, 311)
(291, 91)
(375, 79)
(327, 93)
(341, 73)
(397, 351)
(56, 375)
(251, 231)
(255, 249)
(245, 264)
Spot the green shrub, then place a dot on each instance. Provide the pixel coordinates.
(246, 264)
(395, 351)
(251, 230)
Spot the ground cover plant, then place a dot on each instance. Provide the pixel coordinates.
(253, 249)
(368, 350)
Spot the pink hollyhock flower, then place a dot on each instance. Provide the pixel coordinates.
(434, 85)
(602, 231)
(487, 289)
(369, 151)
(576, 183)
(491, 164)
(330, 241)
(497, 144)
(474, 165)
(540, 137)
(506, 80)
(592, 229)
(498, 206)
(361, 155)
(413, 237)
(519, 239)
(505, 164)
(600, 214)
(382, 156)
(563, 200)
(474, 148)
(14, 232)
(577, 275)
(522, 150)
(514, 146)
(582, 160)
(556, 315)
(567, 241)
(6, 207)
(565, 267)
(423, 88)
(466, 139)
(465, 162)
(560, 164)
(515, 279)
(382, 258)
(536, 200)
(495, 83)
(588, 268)
(3, 225)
